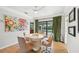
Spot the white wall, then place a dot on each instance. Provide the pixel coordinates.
(72, 42)
(62, 29)
(10, 38)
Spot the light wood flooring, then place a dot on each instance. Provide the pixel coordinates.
(58, 47)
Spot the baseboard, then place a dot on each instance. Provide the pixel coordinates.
(8, 45)
(62, 41)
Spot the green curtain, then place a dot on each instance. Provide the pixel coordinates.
(36, 26)
(57, 28)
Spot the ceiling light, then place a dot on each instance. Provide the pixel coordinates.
(37, 8)
(35, 12)
(26, 12)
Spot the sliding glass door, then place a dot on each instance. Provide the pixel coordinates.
(42, 27)
(49, 27)
(45, 27)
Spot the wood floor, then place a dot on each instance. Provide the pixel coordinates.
(57, 47)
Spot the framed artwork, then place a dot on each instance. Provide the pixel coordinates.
(72, 15)
(72, 30)
(15, 24)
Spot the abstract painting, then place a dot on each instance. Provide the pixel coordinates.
(15, 24)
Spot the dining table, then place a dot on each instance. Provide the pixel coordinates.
(35, 38)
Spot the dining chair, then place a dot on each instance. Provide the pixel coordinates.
(47, 44)
(24, 47)
(36, 46)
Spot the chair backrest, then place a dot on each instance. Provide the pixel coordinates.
(50, 40)
(22, 44)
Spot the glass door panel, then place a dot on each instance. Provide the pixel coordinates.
(49, 27)
(45, 27)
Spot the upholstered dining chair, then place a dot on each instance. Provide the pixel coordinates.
(48, 43)
(24, 47)
(37, 46)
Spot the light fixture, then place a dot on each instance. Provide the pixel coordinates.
(35, 12)
(26, 12)
(37, 8)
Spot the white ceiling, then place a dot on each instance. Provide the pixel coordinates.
(44, 11)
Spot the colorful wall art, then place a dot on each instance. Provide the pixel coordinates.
(14, 24)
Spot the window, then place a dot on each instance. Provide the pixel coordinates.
(49, 27)
(45, 27)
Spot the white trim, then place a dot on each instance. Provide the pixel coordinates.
(34, 26)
